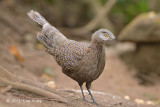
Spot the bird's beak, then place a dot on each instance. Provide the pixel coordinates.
(112, 37)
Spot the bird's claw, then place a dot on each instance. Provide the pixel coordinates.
(85, 100)
(95, 103)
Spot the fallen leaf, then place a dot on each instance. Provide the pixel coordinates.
(15, 52)
(46, 76)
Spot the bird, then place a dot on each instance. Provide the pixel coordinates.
(80, 61)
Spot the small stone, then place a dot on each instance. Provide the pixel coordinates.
(51, 84)
(127, 97)
(150, 103)
(114, 97)
(139, 101)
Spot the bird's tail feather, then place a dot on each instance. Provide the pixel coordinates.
(37, 17)
(49, 36)
(45, 40)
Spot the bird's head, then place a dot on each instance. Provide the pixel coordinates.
(103, 35)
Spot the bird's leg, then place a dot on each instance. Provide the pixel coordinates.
(82, 92)
(88, 85)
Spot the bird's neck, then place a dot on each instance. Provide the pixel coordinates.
(98, 45)
(98, 48)
(97, 42)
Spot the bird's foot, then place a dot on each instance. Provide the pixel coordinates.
(94, 102)
(84, 99)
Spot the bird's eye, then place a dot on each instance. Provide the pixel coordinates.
(106, 35)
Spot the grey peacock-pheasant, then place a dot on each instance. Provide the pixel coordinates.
(80, 61)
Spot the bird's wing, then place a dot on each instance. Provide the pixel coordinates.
(67, 52)
(69, 55)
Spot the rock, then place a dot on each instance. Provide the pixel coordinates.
(51, 84)
(144, 31)
(144, 28)
(146, 61)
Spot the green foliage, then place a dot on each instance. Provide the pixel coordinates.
(130, 8)
(50, 1)
(103, 1)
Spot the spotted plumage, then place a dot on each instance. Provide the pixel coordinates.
(69, 55)
(80, 61)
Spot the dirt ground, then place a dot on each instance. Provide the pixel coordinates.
(116, 82)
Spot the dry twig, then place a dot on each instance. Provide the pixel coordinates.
(7, 78)
(96, 20)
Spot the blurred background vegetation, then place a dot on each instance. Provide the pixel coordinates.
(76, 13)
